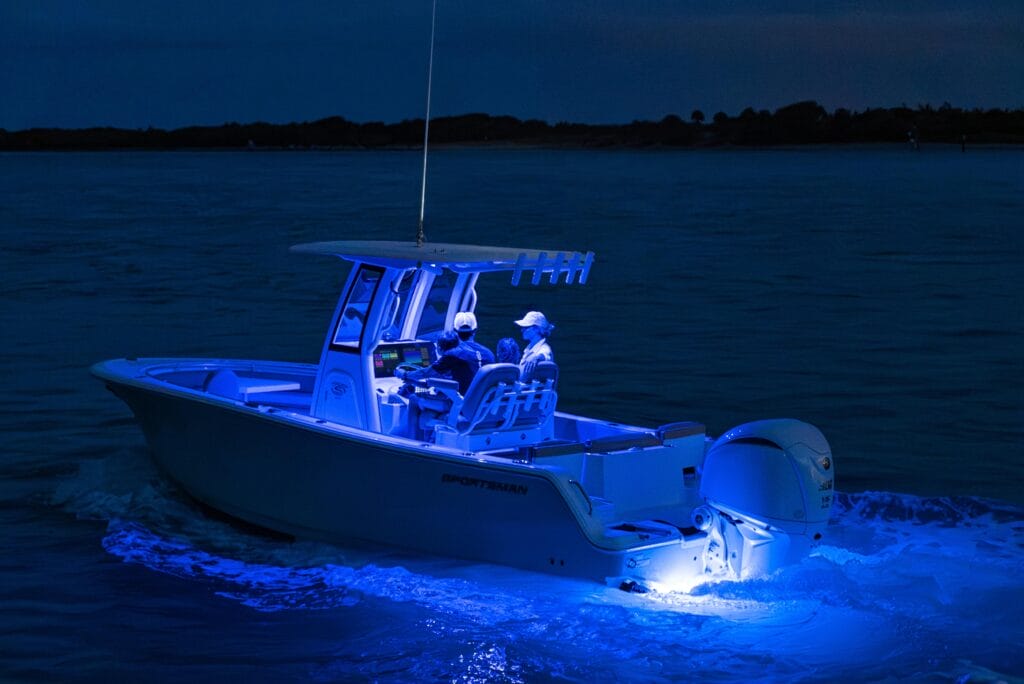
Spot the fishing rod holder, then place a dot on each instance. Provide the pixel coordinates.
(573, 265)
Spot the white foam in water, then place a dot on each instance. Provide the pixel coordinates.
(272, 587)
(263, 587)
(923, 587)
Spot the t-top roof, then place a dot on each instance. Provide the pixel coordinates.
(458, 257)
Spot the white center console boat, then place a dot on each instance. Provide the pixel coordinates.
(501, 474)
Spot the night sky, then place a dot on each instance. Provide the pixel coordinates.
(77, 63)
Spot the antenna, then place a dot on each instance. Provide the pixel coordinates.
(420, 237)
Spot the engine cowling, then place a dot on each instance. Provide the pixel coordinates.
(774, 473)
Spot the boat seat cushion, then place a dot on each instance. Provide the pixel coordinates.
(500, 411)
(223, 383)
(544, 371)
(481, 408)
(538, 397)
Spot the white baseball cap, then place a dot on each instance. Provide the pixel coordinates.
(535, 318)
(465, 320)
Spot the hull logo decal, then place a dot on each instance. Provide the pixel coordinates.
(507, 487)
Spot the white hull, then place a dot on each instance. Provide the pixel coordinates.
(289, 473)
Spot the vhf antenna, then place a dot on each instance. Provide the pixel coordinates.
(420, 237)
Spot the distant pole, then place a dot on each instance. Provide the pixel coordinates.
(420, 236)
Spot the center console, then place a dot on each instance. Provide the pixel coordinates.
(386, 358)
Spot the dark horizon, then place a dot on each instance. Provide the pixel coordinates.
(394, 121)
(804, 122)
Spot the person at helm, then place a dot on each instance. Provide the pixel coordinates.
(536, 330)
(455, 362)
(465, 326)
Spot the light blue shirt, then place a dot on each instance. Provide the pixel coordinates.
(534, 353)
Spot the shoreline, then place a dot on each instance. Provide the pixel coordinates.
(797, 125)
(514, 147)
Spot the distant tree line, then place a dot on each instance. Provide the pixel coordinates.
(796, 124)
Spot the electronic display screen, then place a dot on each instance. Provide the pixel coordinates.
(387, 358)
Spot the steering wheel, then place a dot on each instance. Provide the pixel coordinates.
(408, 367)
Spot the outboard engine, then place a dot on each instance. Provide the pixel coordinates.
(768, 489)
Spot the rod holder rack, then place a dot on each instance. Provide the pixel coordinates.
(574, 265)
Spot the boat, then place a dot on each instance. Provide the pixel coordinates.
(501, 474)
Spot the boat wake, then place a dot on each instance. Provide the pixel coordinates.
(929, 581)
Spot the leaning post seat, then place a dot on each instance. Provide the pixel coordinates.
(539, 395)
(544, 371)
(487, 399)
(499, 411)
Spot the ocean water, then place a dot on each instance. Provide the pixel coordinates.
(875, 292)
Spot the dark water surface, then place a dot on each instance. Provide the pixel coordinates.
(876, 293)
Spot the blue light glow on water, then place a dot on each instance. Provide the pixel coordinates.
(907, 587)
(889, 598)
(884, 305)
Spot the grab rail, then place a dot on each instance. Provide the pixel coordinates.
(586, 497)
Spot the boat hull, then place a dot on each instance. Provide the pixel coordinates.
(309, 480)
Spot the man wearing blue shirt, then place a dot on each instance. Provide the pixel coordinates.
(456, 362)
(465, 326)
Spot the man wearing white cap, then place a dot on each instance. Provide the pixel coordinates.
(465, 326)
(536, 330)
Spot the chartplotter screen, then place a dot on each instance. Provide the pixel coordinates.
(387, 358)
